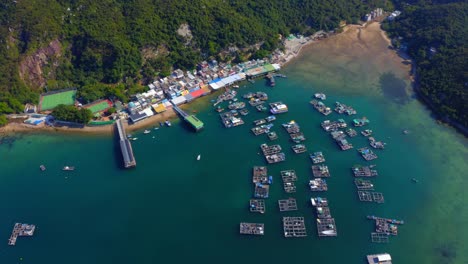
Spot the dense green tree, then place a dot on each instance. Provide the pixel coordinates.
(72, 114)
(3, 120)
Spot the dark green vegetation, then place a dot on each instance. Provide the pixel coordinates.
(72, 114)
(127, 41)
(436, 37)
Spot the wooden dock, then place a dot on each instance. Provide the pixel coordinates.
(294, 227)
(286, 205)
(252, 229)
(21, 230)
(257, 206)
(326, 227)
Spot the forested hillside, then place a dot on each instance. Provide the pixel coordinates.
(436, 36)
(54, 44)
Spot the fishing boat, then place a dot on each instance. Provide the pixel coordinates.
(156, 128)
(68, 168)
(320, 96)
(42, 167)
(133, 139)
(415, 180)
(146, 132)
(198, 157)
(168, 123)
(129, 135)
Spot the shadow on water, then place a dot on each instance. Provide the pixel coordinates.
(8, 141)
(447, 252)
(394, 88)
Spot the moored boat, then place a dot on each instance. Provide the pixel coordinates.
(68, 168)
(42, 167)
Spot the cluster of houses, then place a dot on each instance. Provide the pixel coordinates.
(182, 87)
(378, 12)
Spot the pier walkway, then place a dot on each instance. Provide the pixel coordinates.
(125, 146)
(191, 119)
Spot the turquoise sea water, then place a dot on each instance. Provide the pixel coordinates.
(174, 209)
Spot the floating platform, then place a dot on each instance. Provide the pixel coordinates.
(289, 178)
(20, 230)
(261, 190)
(252, 229)
(319, 201)
(230, 120)
(365, 196)
(379, 238)
(323, 212)
(366, 132)
(367, 154)
(257, 206)
(286, 205)
(330, 126)
(363, 171)
(299, 148)
(297, 137)
(294, 227)
(351, 132)
(318, 185)
(320, 171)
(191, 119)
(344, 109)
(326, 227)
(364, 185)
(260, 174)
(269, 150)
(291, 127)
(384, 258)
(259, 122)
(321, 107)
(275, 158)
(272, 135)
(317, 157)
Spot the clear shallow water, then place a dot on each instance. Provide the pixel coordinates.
(174, 209)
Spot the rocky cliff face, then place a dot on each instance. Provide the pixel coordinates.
(37, 68)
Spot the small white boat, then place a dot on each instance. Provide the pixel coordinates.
(146, 132)
(329, 232)
(199, 157)
(135, 138)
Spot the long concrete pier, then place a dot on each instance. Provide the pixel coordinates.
(125, 146)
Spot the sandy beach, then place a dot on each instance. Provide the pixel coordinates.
(356, 39)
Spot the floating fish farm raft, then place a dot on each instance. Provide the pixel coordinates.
(286, 205)
(261, 190)
(326, 227)
(319, 201)
(252, 229)
(299, 148)
(21, 230)
(323, 212)
(320, 171)
(321, 107)
(363, 171)
(351, 132)
(330, 126)
(294, 227)
(259, 122)
(363, 185)
(289, 178)
(257, 206)
(272, 153)
(230, 120)
(384, 227)
(318, 185)
(365, 196)
(367, 154)
(366, 132)
(344, 109)
(272, 135)
(260, 175)
(317, 157)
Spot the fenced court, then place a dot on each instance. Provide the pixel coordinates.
(98, 106)
(49, 101)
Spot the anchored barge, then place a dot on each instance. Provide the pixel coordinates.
(344, 109)
(299, 148)
(278, 108)
(320, 171)
(286, 205)
(252, 229)
(321, 107)
(317, 157)
(367, 154)
(294, 227)
(289, 178)
(363, 171)
(379, 259)
(326, 227)
(257, 206)
(318, 185)
(230, 120)
(21, 230)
